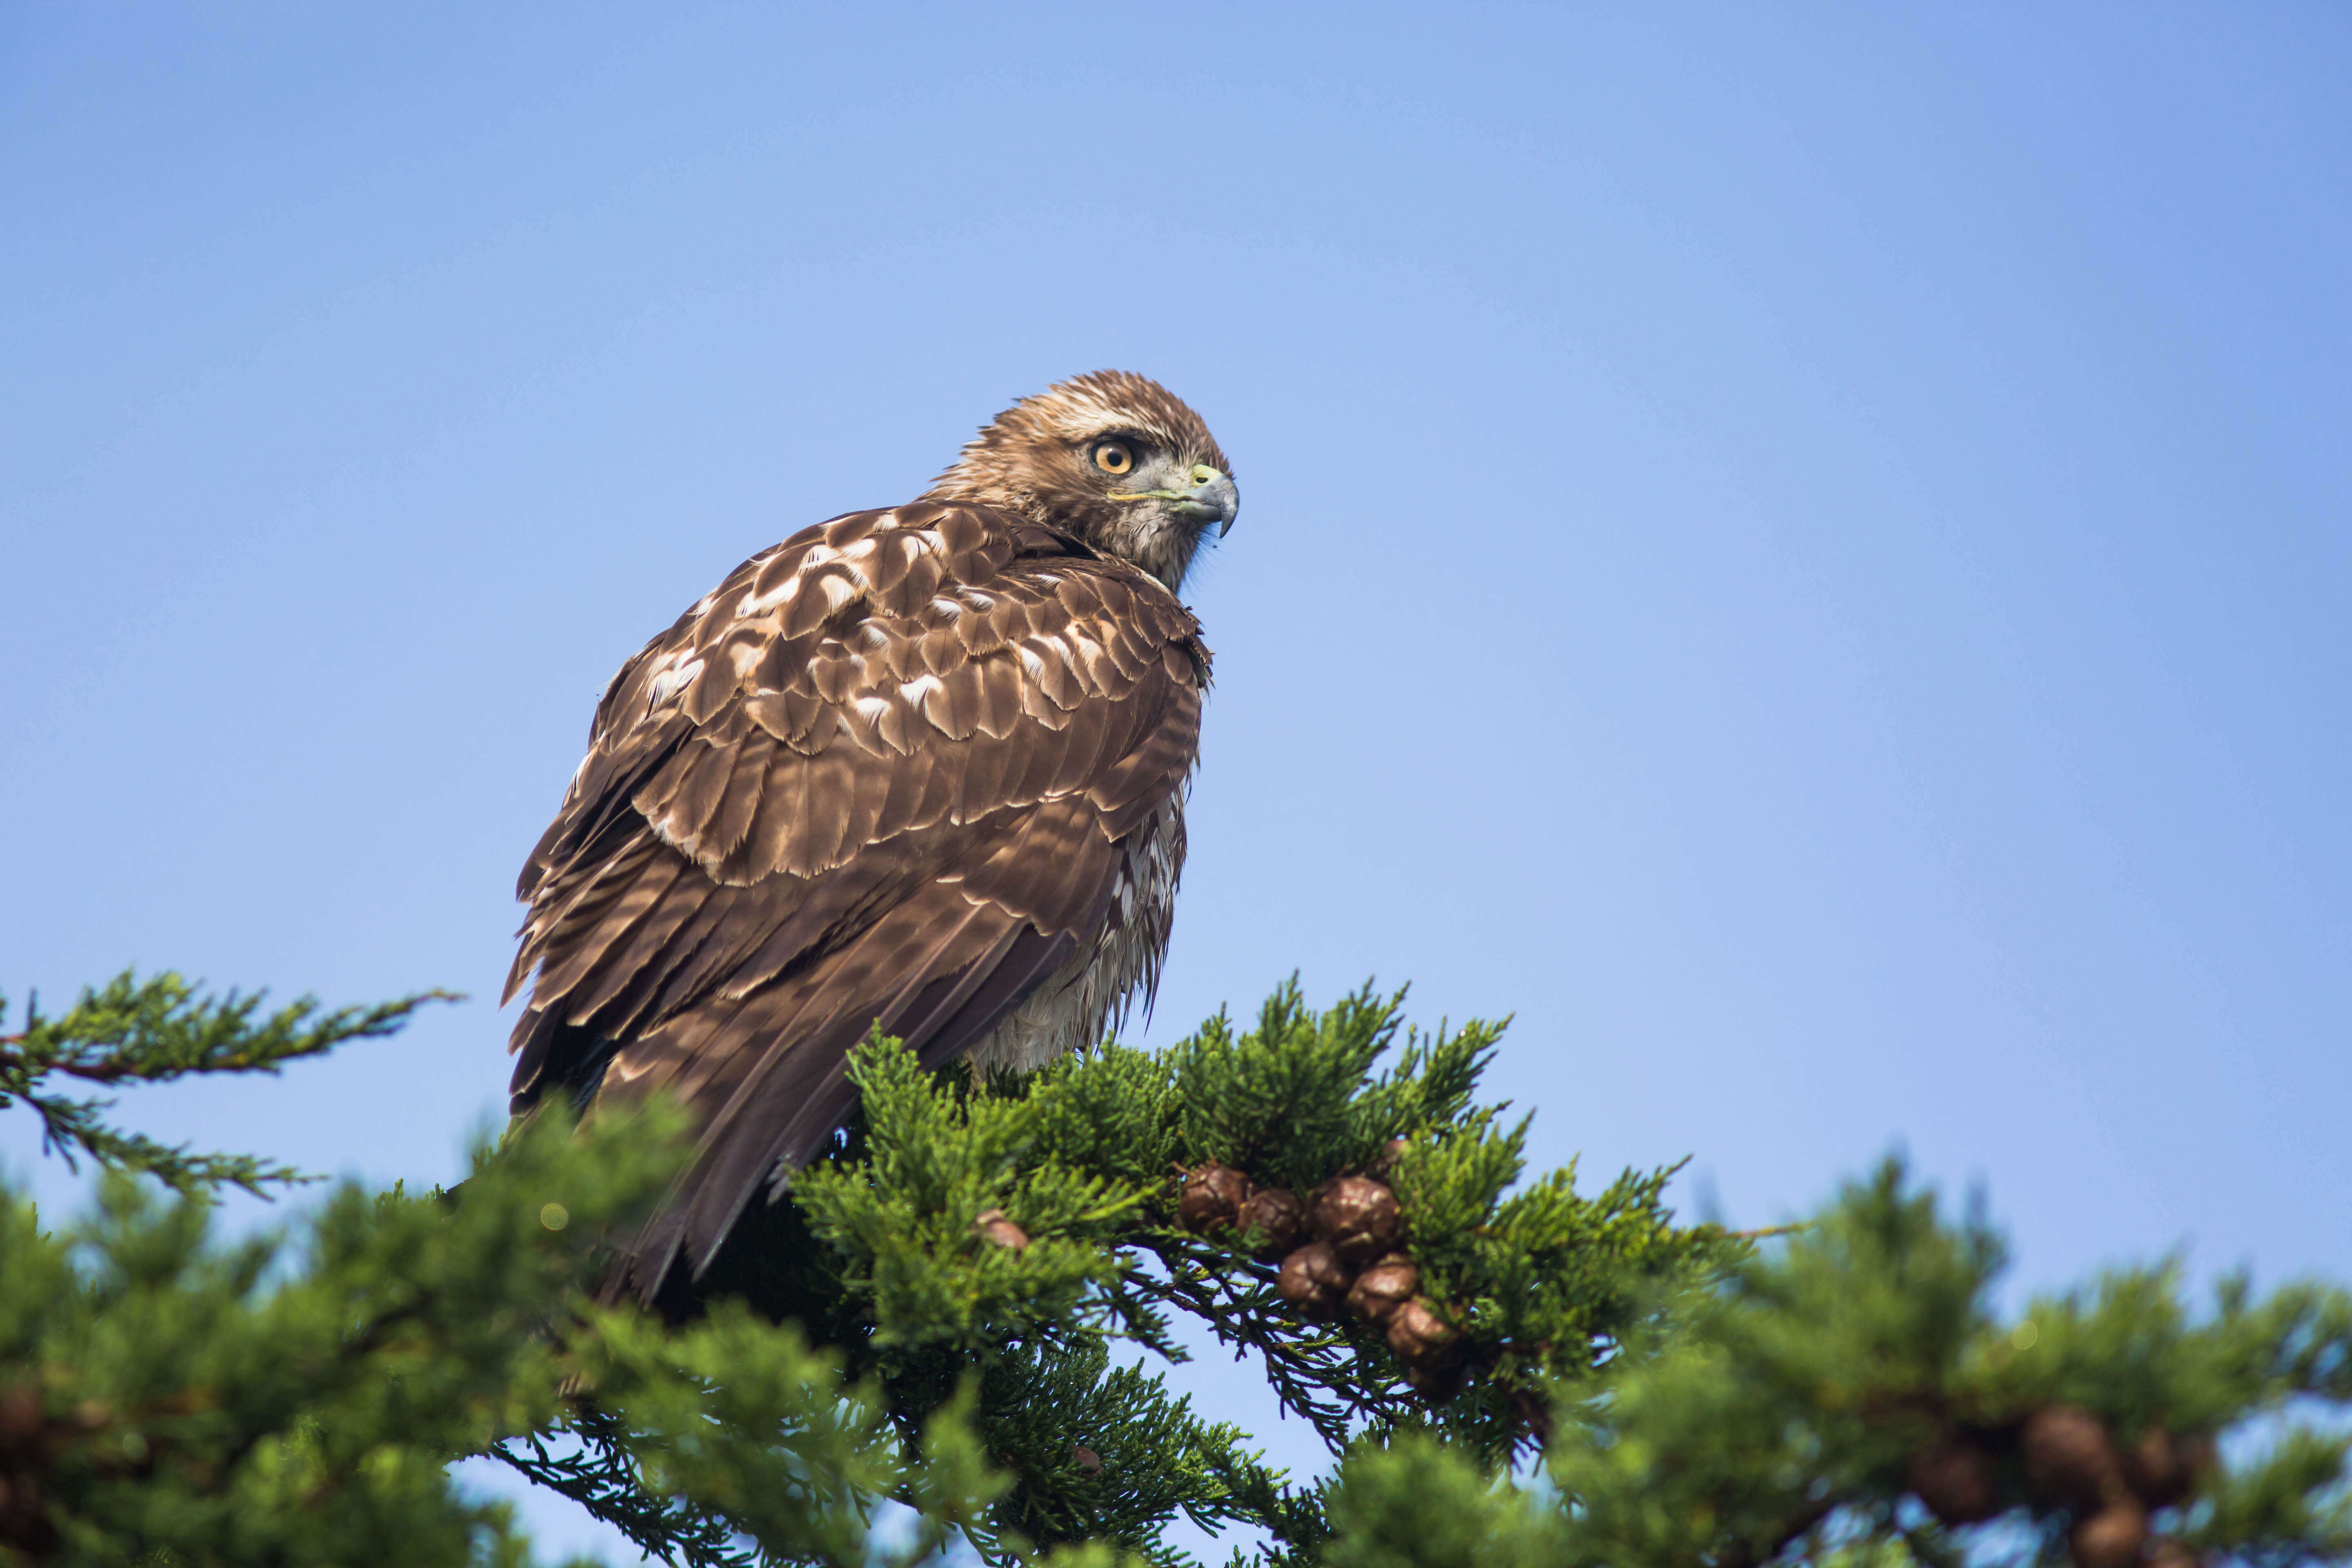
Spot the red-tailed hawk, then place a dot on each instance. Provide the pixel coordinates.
(923, 766)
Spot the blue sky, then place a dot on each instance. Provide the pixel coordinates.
(1802, 552)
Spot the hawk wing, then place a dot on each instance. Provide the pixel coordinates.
(883, 773)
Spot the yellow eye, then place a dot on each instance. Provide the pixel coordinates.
(1113, 458)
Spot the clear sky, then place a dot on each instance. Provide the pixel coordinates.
(1804, 552)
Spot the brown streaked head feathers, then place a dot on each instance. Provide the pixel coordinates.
(922, 766)
(1038, 458)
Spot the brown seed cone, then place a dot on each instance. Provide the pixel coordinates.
(995, 1224)
(22, 1412)
(2161, 1468)
(1420, 1336)
(1314, 1281)
(1278, 1217)
(1390, 1156)
(1358, 1216)
(1956, 1479)
(1212, 1198)
(1089, 1460)
(2069, 1458)
(24, 1521)
(2112, 1538)
(1437, 1383)
(1386, 1284)
(23, 1444)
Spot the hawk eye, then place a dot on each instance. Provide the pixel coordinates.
(1114, 458)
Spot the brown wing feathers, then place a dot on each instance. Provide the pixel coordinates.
(883, 771)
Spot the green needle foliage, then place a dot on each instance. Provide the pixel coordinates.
(959, 1308)
(132, 1031)
(1081, 1159)
(1850, 1397)
(168, 1395)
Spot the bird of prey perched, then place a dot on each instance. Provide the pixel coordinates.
(923, 767)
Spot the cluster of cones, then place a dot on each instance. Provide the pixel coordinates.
(1339, 1247)
(2066, 1458)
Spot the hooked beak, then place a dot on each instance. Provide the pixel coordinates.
(1212, 496)
(1216, 496)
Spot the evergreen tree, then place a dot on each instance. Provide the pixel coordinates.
(1507, 1370)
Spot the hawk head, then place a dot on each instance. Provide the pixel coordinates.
(1116, 460)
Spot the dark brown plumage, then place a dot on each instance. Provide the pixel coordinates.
(924, 766)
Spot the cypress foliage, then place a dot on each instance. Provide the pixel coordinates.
(1849, 1395)
(957, 1308)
